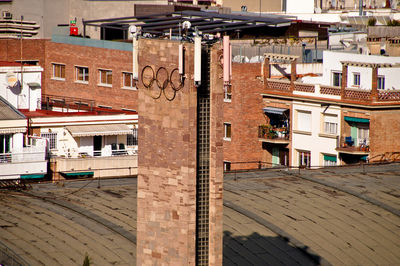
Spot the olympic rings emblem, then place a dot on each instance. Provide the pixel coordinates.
(162, 82)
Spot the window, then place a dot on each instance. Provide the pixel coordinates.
(82, 74)
(356, 79)
(5, 143)
(330, 160)
(132, 139)
(336, 79)
(304, 121)
(330, 124)
(29, 62)
(127, 79)
(227, 131)
(381, 82)
(227, 166)
(58, 71)
(304, 158)
(105, 77)
(227, 93)
(363, 135)
(52, 138)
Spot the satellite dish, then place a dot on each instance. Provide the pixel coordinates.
(186, 25)
(11, 79)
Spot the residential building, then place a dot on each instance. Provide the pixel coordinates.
(20, 157)
(322, 121)
(97, 143)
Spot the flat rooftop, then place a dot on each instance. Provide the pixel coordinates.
(337, 216)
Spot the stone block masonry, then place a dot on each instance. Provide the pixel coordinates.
(166, 219)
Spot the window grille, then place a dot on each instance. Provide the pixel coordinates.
(52, 139)
(132, 139)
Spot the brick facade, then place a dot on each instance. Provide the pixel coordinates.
(48, 52)
(166, 219)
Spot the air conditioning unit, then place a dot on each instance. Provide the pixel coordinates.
(7, 15)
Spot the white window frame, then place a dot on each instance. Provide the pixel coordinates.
(301, 156)
(124, 76)
(340, 78)
(227, 131)
(299, 126)
(380, 83)
(363, 135)
(330, 126)
(108, 74)
(85, 74)
(55, 74)
(227, 94)
(356, 79)
(52, 139)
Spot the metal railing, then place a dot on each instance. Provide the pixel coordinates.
(349, 143)
(269, 132)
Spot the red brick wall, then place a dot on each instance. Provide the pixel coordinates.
(384, 133)
(245, 114)
(48, 52)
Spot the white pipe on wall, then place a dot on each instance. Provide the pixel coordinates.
(197, 61)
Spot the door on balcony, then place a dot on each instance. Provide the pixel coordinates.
(280, 156)
(284, 157)
(97, 145)
(5, 143)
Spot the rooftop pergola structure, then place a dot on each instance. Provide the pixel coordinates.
(205, 22)
(280, 57)
(373, 66)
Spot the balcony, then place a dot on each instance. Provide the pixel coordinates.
(275, 135)
(349, 145)
(121, 164)
(29, 161)
(351, 95)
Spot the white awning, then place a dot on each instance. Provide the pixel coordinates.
(11, 130)
(99, 130)
(274, 110)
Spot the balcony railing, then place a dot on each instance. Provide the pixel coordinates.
(22, 157)
(351, 145)
(351, 94)
(273, 133)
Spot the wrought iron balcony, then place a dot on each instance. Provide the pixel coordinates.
(350, 145)
(271, 134)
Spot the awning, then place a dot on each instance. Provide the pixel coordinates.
(274, 110)
(32, 176)
(77, 174)
(12, 130)
(99, 130)
(330, 158)
(34, 85)
(356, 119)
